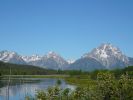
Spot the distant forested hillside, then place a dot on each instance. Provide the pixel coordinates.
(23, 69)
(34, 70)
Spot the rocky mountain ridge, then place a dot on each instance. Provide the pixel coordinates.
(106, 56)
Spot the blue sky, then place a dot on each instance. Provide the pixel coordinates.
(68, 27)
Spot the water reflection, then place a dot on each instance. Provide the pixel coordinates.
(19, 91)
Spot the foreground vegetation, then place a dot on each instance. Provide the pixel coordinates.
(106, 87)
(114, 84)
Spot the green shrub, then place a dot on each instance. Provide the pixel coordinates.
(107, 87)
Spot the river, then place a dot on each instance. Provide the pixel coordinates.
(19, 89)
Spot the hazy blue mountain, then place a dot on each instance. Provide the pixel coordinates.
(86, 64)
(11, 57)
(106, 56)
(130, 61)
(109, 56)
(50, 61)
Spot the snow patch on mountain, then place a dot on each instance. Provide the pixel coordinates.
(11, 57)
(31, 58)
(108, 55)
(70, 61)
(51, 60)
(104, 56)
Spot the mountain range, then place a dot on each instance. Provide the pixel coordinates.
(106, 56)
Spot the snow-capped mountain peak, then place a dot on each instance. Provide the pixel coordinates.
(104, 56)
(7, 55)
(106, 50)
(57, 58)
(51, 60)
(70, 61)
(108, 55)
(52, 54)
(5, 52)
(34, 57)
(12, 57)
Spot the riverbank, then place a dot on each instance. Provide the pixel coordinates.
(78, 80)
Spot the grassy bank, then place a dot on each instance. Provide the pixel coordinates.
(35, 76)
(105, 87)
(80, 80)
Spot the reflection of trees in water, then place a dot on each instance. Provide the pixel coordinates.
(21, 89)
(4, 83)
(1, 82)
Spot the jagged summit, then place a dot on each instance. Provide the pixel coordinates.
(52, 54)
(70, 61)
(108, 55)
(105, 51)
(6, 52)
(12, 57)
(34, 57)
(50, 60)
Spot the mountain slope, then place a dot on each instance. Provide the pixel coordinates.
(105, 56)
(109, 56)
(31, 58)
(17, 69)
(50, 61)
(86, 64)
(11, 57)
(130, 61)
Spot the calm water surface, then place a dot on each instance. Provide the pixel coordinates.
(19, 90)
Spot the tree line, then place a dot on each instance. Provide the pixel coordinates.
(33, 70)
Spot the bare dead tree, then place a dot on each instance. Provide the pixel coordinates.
(8, 86)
